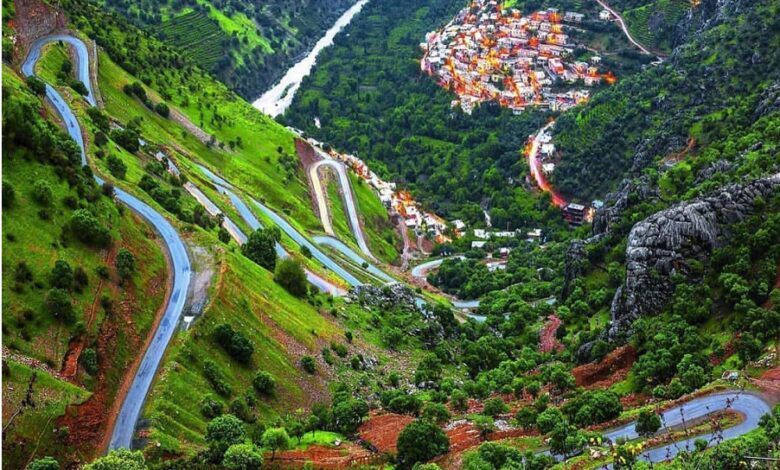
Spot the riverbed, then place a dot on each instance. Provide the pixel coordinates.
(276, 100)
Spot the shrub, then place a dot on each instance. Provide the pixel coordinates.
(276, 439)
(162, 109)
(42, 193)
(116, 166)
(234, 343)
(264, 383)
(242, 457)
(494, 407)
(59, 305)
(419, 442)
(9, 194)
(210, 408)
(125, 264)
(261, 248)
(89, 360)
(647, 423)
(214, 376)
(124, 459)
(46, 463)
(80, 88)
(290, 275)
(88, 229)
(22, 273)
(221, 433)
(436, 413)
(61, 275)
(39, 88)
(308, 364)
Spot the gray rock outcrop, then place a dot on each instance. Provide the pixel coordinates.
(660, 245)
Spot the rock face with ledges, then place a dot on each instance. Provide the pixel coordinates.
(660, 246)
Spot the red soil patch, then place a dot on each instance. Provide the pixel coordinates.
(612, 368)
(769, 382)
(345, 456)
(306, 153)
(382, 431)
(547, 340)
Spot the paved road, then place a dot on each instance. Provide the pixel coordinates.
(124, 427)
(246, 214)
(348, 198)
(752, 407)
(342, 247)
(623, 26)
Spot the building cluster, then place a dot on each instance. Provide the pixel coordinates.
(399, 201)
(488, 53)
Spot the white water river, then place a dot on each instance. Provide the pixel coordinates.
(276, 100)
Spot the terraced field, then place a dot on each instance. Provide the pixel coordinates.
(196, 32)
(653, 23)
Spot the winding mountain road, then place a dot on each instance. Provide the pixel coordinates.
(623, 26)
(246, 213)
(124, 427)
(346, 195)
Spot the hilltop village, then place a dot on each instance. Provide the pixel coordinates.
(489, 53)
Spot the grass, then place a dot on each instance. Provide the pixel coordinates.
(321, 438)
(639, 22)
(281, 328)
(382, 237)
(197, 33)
(35, 426)
(337, 211)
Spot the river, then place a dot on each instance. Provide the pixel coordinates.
(276, 100)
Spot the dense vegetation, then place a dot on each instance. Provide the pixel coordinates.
(247, 45)
(658, 113)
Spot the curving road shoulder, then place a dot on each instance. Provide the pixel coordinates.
(124, 427)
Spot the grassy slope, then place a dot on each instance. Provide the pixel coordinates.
(382, 238)
(640, 20)
(27, 327)
(338, 214)
(281, 327)
(35, 426)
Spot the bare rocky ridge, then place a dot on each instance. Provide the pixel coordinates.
(660, 246)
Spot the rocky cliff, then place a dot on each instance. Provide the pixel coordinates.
(661, 245)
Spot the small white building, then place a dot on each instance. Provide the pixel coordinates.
(476, 244)
(605, 15)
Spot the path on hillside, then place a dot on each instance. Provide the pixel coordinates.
(346, 196)
(246, 214)
(623, 26)
(124, 426)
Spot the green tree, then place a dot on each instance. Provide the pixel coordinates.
(43, 193)
(58, 304)
(647, 423)
(348, 414)
(549, 419)
(309, 364)
(494, 407)
(485, 425)
(61, 275)
(223, 432)
(419, 442)
(264, 383)
(261, 248)
(45, 463)
(116, 166)
(88, 229)
(119, 459)
(9, 194)
(436, 413)
(37, 86)
(459, 400)
(276, 439)
(125, 264)
(242, 457)
(162, 109)
(290, 275)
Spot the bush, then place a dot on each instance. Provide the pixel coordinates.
(214, 376)
(308, 364)
(59, 305)
(494, 407)
(647, 423)
(593, 407)
(221, 433)
(261, 248)
(264, 383)
(125, 264)
(80, 88)
(61, 275)
(290, 275)
(46, 463)
(210, 408)
(22, 273)
(42, 193)
(242, 457)
(89, 360)
(348, 414)
(419, 442)
(88, 229)
(123, 459)
(436, 413)
(162, 109)
(276, 439)
(9, 194)
(39, 88)
(234, 343)
(116, 166)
